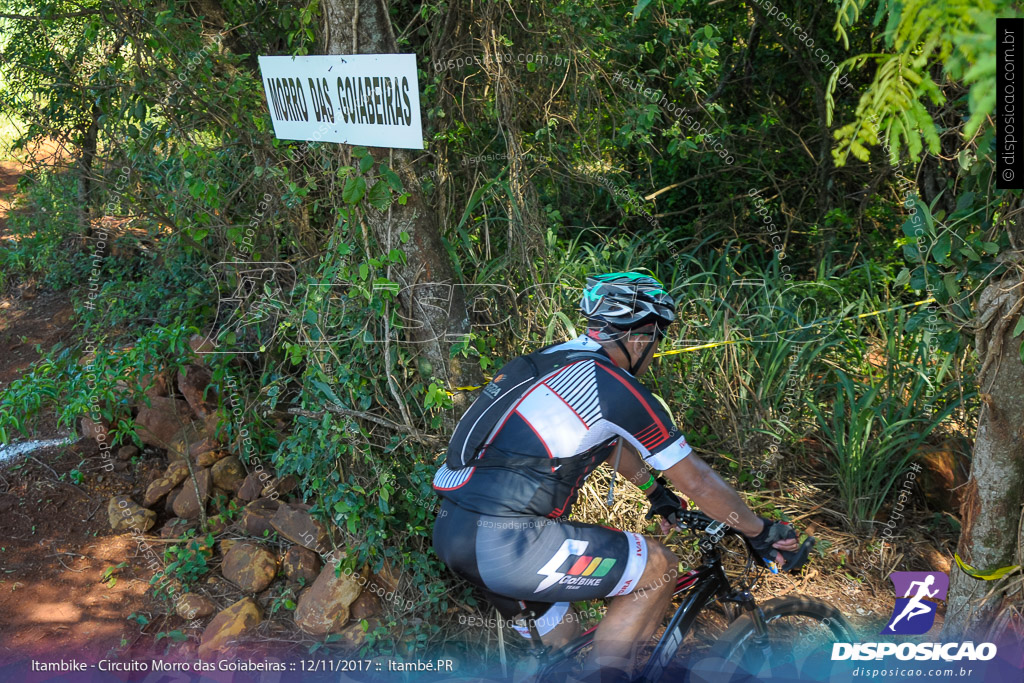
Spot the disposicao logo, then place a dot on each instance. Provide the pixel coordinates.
(914, 613)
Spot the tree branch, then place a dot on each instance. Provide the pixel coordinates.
(68, 15)
(335, 409)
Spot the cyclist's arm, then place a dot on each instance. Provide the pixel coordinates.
(632, 467)
(713, 496)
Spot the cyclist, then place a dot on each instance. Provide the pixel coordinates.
(522, 451)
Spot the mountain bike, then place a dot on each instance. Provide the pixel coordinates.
(784, 638)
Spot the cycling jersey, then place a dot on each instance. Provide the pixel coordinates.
(565, 423)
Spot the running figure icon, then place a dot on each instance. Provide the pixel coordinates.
(914, 612)
(915, 607)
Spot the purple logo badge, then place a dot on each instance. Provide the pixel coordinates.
(916, 593)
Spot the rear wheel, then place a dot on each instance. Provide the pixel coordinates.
(797, 644)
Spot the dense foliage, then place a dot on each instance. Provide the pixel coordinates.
(780, 195)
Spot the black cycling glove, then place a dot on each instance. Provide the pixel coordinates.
(772, 533)
(664, 502)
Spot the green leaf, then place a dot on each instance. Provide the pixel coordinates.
(640, 7)
(354, 190)
(940, 250)
(989, 575)
(911, 226)
(903, 278)
(364, 271)
(366, 163)
(1019, 327)
(392, 178)
(326, 389)
(949, 280)
(379, 196)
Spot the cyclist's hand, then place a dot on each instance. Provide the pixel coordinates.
(778, 543)
(664, 503)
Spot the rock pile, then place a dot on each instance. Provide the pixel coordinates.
(268, 545)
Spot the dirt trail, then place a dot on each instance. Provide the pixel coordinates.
(55, 543)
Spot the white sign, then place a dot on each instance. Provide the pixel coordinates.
(371, 100)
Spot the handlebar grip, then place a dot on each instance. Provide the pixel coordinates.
(794, 558)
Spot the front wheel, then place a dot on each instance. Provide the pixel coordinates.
(796, 645)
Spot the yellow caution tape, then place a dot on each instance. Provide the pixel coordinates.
(713, 345)
(795, 329)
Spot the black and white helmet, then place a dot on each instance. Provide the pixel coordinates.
(627, 301)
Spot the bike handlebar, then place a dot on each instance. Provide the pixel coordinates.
(695, 520)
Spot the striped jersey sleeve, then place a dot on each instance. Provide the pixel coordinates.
(640, 418)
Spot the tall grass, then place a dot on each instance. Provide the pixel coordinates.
(793, 360)
(893, 393)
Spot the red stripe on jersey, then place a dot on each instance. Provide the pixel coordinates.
(647, 431)
(515, 408)
(580, 565)
(539, 437)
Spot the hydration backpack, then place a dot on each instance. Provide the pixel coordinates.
(511, 383)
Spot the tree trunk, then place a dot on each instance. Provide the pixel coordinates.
(364, 27)
(85, 184)
(991, 508)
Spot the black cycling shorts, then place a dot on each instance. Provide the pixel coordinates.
(536, 560)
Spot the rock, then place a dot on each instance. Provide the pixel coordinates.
(324, 607)
(97, 431)
(159, 424)
(193, 384)
(251, 487)
(127, 452)
(204, 444)
(178, 448)
(125, 514)
(302, 563)
(226, 544)
(355, 635)
(155, 385)
(224, 629)
(282, 486)
(366, 605)
(299, 527)
(186, 504)
(208, 458)
(249, 567)
(171, 497)
(176, 473)
(216, 524)
(218, 492)
(387, 577)
(121, 466)
(257, 515)
(193, 606)
(200, 345)
(175, 527)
